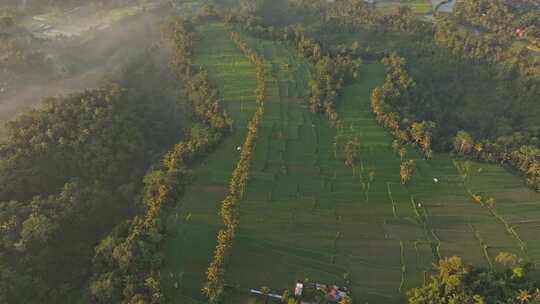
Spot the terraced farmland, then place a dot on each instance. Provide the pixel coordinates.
(194, 223)
(308, 216)
(419, 7)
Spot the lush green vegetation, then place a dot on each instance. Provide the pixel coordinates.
(457, 282)
(70, 171)
(214, 287)
(307, 215)
(18, 60)
(194, 222)
(281, 235)
(455, 68)
(127, 263)
(332, 142)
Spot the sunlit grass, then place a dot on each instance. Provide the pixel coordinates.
(193, 224)
(306, 215)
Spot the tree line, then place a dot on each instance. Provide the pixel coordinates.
(213, 288)
(346, 14)
(353, 15)
(19, 59)
(497, 46)
(512, 58)
(512, 150)
(69, 172)
(500, 17)
(331, 71)
(385, 103)
(493, 41)
(453, 281)
(127, 262)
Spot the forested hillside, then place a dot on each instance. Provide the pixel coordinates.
(70, 171)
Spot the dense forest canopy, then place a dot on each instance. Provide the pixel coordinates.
(458, 282)
(37, 5)
(20, 58)
(70, 171)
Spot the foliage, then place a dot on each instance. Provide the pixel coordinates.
(512, 150)
(500, 17)
(491, 48)
(465, 60)
(330, 71)
(456, 282)
(406, 170)
(19, 58)
(69, 172)
(126, 265)
(353, 15)
(386, 98)
(213, 289)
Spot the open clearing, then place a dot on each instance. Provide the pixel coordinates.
(308, 216)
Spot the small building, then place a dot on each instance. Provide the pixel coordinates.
(314, 293)
(299, 289)
(333, 293)
(520, 33)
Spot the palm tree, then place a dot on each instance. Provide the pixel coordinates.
(463, 143)
(351, 152)
(506, 259)
(478, 148)
(402, 152)
(265, 291)
(405, 170)
(537, 295)
(523, 296)
(346, 300)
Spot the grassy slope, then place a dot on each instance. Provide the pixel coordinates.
(194, 223)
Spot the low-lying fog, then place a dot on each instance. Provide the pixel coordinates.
(82, 61)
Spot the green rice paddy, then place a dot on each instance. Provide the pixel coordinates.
(308, 216)
(193, 224)
(419, 7)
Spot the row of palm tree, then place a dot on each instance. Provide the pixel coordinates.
(386, 97)
(331, 71)
(354, 15)
(511, 150)
(213, 288)
(127, 268)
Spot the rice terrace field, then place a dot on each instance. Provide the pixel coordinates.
(308, 216)
(419, 7)
(195, 221)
